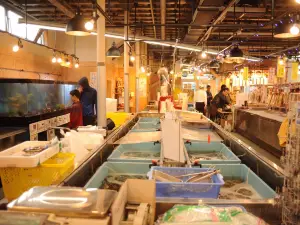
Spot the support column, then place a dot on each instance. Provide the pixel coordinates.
(137, 74)
(101, 69)
(126, 64)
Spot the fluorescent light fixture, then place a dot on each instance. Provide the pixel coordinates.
(187, 48)
(113, 36)
(212, 53)
(157, 43)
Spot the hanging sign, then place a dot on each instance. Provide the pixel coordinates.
(295, 71)
(246, 73)
(280, 71)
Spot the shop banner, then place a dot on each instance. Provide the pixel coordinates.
(295, 71)
(246, 73)
(280, 70)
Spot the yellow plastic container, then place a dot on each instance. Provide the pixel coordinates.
(16, 181)
(119, 118)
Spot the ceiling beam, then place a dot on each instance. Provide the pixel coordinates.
(163, 18)
(64, 7)
(216, 21)
(38, 35)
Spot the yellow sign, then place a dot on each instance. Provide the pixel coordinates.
(246, 73)
(280, 71)
(295, 71)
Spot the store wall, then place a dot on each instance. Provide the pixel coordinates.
(30, 62)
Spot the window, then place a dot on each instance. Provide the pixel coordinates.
(20, 29)
(2, 18)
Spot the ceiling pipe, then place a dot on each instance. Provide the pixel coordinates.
(219, 19)
(163, 18)
(152, 17)
(64, 7)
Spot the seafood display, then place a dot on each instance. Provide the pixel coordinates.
(206, 156)
(29, 99)
(140, 155)
(238, 189)
(33, 150)
(114, 182)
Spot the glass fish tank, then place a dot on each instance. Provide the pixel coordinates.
(20, 98)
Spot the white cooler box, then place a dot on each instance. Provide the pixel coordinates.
(16, 157)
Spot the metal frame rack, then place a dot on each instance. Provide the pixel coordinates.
(291, 160)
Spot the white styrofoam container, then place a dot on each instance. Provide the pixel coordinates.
(34, 137)
(91, 130)
(65, 118)
(68, 118)
(53, 121)
(41, 126)
(10, 157)
(50, 134)
(60, 120)
(33, 128)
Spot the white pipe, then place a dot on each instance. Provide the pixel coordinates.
(101, 69)
(126, 65)
(137, 75)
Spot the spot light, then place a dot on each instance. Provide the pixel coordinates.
(17, 47)
(203, 55)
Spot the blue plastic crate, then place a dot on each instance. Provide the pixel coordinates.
(151, 147)
(145, 127)
(114, 168)
(242, 172)
(187, 190)
(213, 147)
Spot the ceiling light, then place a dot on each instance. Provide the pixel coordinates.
(295, 30)
(297, 1)
(59, 59)
(113, 52)
(89, 25)
(236, 52)
(148, 74)
(203, 55)
(281, 61)
(132, 58)
(172, 72)
(187, 48)
(76, 26)
(283, 29)
(76, 65)
(143, 69)
(54, 59)
(17, 46)
(157, 43)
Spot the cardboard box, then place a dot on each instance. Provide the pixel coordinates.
(134, 192)
(33, 128)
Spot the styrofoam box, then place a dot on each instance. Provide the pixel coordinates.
(89, 130)
(60, 120)
(33, 128)
(34, 137)
(68, 118)
(12, 157)
(41, 126)
(53, 121)
(65, 118)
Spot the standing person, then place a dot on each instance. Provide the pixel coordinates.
(209, 98)
(76, 110)
(89, 102)
(200, 99)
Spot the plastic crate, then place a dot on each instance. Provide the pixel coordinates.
(119, 118)
(187, 190)
(15, 181)
(212, 147)
(242, 172)
(150, 147)
(109, 168)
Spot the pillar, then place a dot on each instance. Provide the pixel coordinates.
(126, 64)
(101, 69)
(137, 75)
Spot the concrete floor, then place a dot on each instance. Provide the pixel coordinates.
(258, 149)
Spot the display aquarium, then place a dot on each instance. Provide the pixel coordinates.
(19, 98)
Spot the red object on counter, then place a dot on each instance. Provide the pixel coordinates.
(208, 139)
(163, 99)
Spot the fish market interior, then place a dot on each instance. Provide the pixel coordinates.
(149, 112)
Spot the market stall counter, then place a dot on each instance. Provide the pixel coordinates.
(261, 127)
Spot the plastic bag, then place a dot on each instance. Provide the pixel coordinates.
(231, 215)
